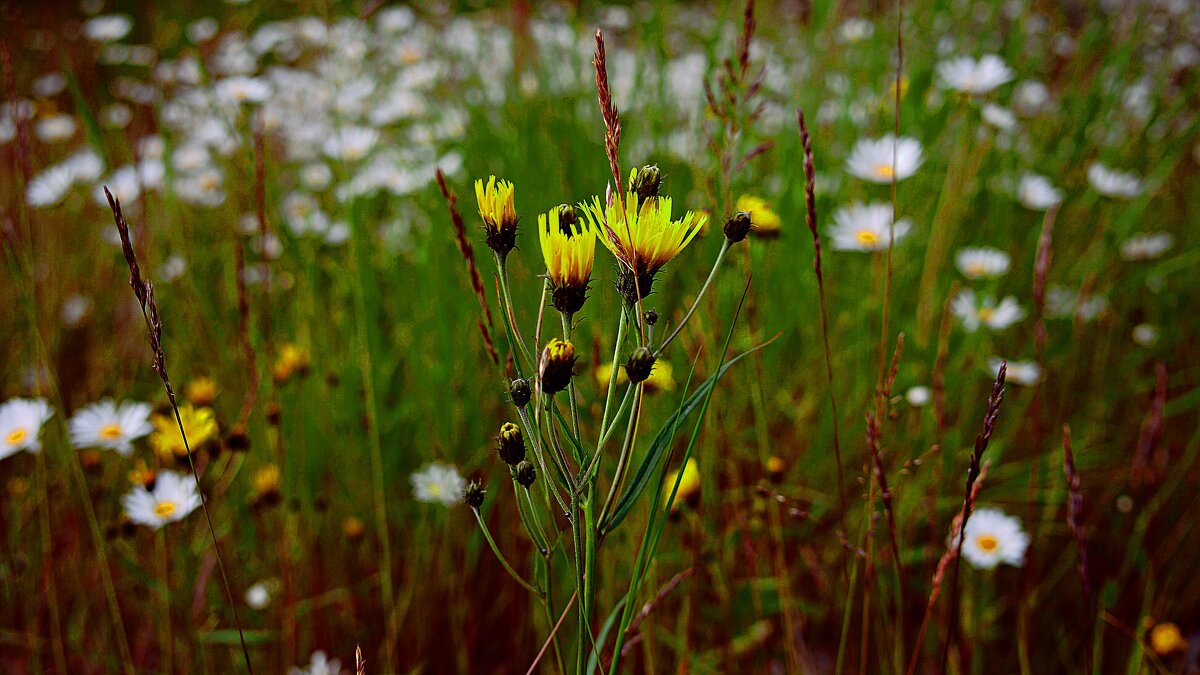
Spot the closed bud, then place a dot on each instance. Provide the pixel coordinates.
(650, 316)
(510, 443)
(474, 493)
(646, 183)
(519, 390)
(737, 227)
(557, 366)
(639, 365)
(525, 473)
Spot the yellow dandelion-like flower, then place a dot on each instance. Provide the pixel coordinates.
(499, 214)
(292, 359)
(1166, 638)
(200, 424)
(662, 377)
(766, 222)
(266, 479)
(201, 391)
(569, 249)
(643, 238)
(689, 486)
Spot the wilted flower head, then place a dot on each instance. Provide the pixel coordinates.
(866, 227)
(174, 496)
(991, 538)
(111, 426)
(499, 214)
(972, 76)
(880, 160)
(21, 421)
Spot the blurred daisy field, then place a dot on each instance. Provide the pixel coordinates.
(775, 337)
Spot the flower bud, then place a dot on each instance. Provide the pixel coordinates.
(639, 365)
(519, 390)
(510, 443)
(525, 473)
(557, 366)
(737, 227)
(474, 493)
(650, 316)
(646, 183)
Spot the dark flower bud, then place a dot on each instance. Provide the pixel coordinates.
(633, 287)
(639, 365)
(557, 366)
(646, 183)
(567, 219)
(238, 440)
(519, 390)
(273, 414)
(737, 227)
(473, 495)
(525, 474)
(510, 443)
(650, 316)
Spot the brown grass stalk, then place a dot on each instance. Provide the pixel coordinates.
(144, 291)
(1075, 509)
(1143, 472)
(468, 254)
(243, 306)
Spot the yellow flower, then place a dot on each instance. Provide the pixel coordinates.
(200, 424)
(1166, 638)
(643, 238)
(266, 480)
(765, 221)
(662, 377)
(291, 359)
(140, 475)
(557, 366)
(689, 486)
(499, 214)
(201, 391)
(569, 250)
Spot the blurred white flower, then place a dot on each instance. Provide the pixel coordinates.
(21, 421)
(972, 76)
(243, 90)
(174, 497)
(172, 268)
(880, 160)
(1030, 97)
(1147, 246)
(974, 312)
(1112, 183)
(1065, 303)
(259, 595)
(107, 28)
(982, 262)
(75, 310)
(202, 30)
(108, 425)
(351, 143)
(319, 664)
(50, 84)
(1036, 192)
(316, 176)
(999, 117)
(438, 484)
(49, 187)
(55, 128)
(991, 538)
(855, 29)
(918, 396)
(1145, 334)
(1025, 373)
(866, 227)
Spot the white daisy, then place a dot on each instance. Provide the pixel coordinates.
(438, 484)
(969, 76)
(991, 538)
(1000, 117)
(1025, 373)
(242, 90)
(108, 425)
(320, 664)
(174, 496)
(975, 312)
(983, 262)
(918, 396)
(49, 187)
(1064, 303)
(1113, 183)
(55, 128)
(866, 227)
(351, 143)
(1147, 246)
(880, 159)
(1036, 192)
(21, 421)
(108, 28)
(1030, 97)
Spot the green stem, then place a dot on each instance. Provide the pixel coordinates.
(500, 556)
(540, 451)
(539, 539)
(510, 318)
(612, 375)
(692, 310)
(566, 327)
(626, 452)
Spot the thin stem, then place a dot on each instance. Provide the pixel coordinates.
(612, 375)
(500, 556)
(60, 659)
(699, 296)
(540, 452)
(509, 317)
(164, 627)
(537, 522)
(566, 327)
(626, 452)
(539, 540)
(594, 465)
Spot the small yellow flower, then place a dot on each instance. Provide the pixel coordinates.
(766, 222)
(200, 424)
(557, 366)
(662, 377)
(1166, 638)
(569, 250)
(353, 528)
(689, 486)
(140, 475)
(201, 391)
(642, 238)
(499, 214)
(292, 359)
(266, 480)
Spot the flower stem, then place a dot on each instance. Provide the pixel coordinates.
(707, 282)
(500, 556)
(509, 317)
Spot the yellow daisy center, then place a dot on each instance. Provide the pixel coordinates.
(110, 432)
(867, 237)
(164, 509)
(884, 170)
(435, 489)
(986, 313)
(987, 543)
(16, 436)
(976, 270)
